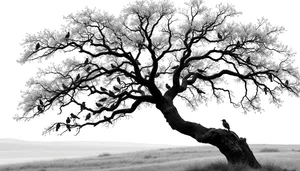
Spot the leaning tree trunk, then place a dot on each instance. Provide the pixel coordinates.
(235, 149)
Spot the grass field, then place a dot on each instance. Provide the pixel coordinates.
(168, 159)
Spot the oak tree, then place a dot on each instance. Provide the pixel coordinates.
(150, 54)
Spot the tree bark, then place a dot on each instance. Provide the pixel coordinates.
(235, 149)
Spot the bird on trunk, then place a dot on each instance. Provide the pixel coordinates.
(225, 124)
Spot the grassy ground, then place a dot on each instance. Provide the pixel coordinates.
(171, 159)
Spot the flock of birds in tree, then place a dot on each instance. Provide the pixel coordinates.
(99, 104)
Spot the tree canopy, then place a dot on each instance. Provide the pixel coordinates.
(152, 52)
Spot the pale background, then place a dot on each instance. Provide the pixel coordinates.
(17, 17)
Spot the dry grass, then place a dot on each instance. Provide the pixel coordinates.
(172, 159)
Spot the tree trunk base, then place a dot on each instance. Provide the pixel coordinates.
(235, 149)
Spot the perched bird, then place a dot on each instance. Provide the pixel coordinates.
(64, 86)
(107, 119)
(110, 92)
(41, 102)
(74, 116)
(68, 127)
(200, 91)
(77, 77)
(175, 67)
(119, 80)
(68, 120)
(167, 86)
(266, 90)
(82, 106)
(248, 60)
(88, 116)
(37, 46)
(67, 35)
(286, 82)
(57, 127)
(201, 70)
(86, 61)
(112, 66)
(116, 88)
(40, 108)
(270, 77)
(137, 62)
(103, 99)
(103, 89)
(225, 124)
(98, 104)
(88, 69)
(238, 44)
(157, 75)
(220, 36)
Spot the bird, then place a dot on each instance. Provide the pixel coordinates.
(67, 35)
(119, 80)
(103, 99)
(112, 66)
(64, 86)
(167, 86)
(174, 67)
(74, 116)
(37, 46)
(270, 77)
(220, 36)
(86, 61)
(201, 70)
(98, 104)
(110, 92)
(82, 106)
(68, 127)
(77, 77)
(116, 88)
(238, 44)
(68, 120)
(248, 60)
(137, 62)
(88, 69)
(157, 75)
(57, 127)
(266, 90)
(286, 82)
(103, 89)
(225, 124)
(200, 91)
(107, 119)
(88, 116)
(40, 109)
(41, 102)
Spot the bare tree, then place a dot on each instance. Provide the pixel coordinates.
(150, 54)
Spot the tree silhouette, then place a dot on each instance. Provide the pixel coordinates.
(152, 53)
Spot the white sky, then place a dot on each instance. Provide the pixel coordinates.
(274, 125)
